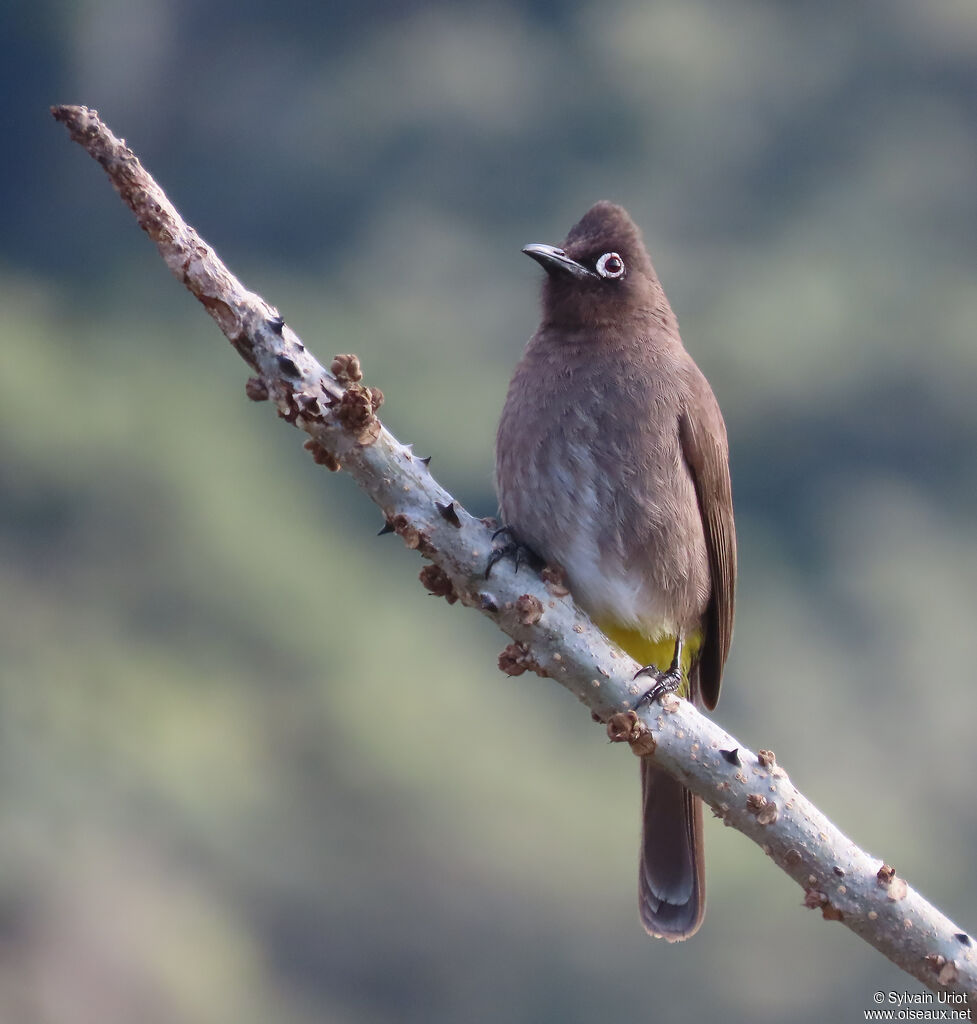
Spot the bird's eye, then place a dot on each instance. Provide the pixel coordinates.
(610, 265)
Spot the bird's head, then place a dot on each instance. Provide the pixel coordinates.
(600, 273)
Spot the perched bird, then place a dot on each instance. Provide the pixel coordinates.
(612, 464)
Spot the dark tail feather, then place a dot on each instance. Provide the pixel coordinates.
(671, 875)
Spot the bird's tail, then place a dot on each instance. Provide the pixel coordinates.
(671, 875)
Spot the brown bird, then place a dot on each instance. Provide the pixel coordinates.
(612, 464)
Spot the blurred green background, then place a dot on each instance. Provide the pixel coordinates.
(250, 772)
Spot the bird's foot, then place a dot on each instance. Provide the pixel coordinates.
(663, 682)
(511, 548)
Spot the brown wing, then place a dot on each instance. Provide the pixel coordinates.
(703, 438)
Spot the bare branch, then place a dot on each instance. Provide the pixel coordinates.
(551, 636)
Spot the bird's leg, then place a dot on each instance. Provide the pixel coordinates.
(511, 548)
(664, 682)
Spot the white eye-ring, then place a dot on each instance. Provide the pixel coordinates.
(610, 265)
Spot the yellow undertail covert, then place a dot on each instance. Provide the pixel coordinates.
(657, 651)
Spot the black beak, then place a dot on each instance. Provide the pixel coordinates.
(554, 260)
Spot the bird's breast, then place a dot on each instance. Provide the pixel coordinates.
(591, 477)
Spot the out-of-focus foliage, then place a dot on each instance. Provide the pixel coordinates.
(250, 771)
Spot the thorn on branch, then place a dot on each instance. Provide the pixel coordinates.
(288, 367)
(449, 513)
(277, 324)
(732, 756)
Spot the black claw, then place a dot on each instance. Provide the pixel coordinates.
(497, 555)
(664, 682)
(512, 548)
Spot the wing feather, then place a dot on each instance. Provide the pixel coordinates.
(706, 452)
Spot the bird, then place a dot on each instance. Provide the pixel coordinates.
(612, 466)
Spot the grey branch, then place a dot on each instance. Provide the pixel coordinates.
(550, 635)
